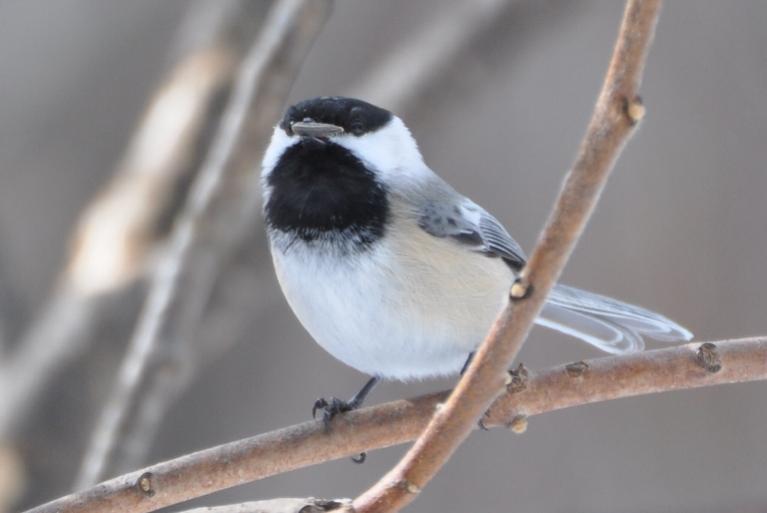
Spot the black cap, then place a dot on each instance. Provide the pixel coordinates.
(354, 116)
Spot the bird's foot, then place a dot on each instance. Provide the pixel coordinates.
(335, 406)
(330, 408)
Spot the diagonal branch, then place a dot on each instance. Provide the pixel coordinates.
(230, 223)
(615, 114)
(174, 262)
(427, 54)
(120, 229)
(530, 393)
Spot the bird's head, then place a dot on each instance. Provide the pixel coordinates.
(323, 130)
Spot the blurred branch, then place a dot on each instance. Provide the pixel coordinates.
(53, 340)
(415, 63)
(616, 113)
(231, 226)
(451, 41)
(187, 236)
(530, 393)
(174, 368)
(118, 232)
(12, 477)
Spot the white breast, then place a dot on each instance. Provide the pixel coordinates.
(411, 307)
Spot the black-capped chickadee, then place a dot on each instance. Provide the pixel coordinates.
(390, 269)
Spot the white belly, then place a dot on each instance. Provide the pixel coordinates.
(411, 307)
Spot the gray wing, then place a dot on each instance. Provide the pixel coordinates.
(606, 323)
(467, 223)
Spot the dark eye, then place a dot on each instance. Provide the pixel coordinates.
(357, 128)
(356, 125)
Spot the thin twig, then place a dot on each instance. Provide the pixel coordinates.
(116, 232)
(412, 66)
(530, 393)
(169, 376)
(209, 45)
(173, 262)
(431, 49)
(230, 223)
(119, 230)
(54, 340)
(615, 114)
(12, 478)
(420, 64)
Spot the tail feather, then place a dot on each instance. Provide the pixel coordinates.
(606, 323)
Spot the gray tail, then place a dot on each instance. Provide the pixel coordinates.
(606, 323)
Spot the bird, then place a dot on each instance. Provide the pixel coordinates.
(388, 267)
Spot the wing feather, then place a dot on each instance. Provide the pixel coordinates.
(606, 323)
(469, 224)
(611, 325)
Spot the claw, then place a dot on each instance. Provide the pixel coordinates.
(319, 404)
(335, 406)
(330, 409)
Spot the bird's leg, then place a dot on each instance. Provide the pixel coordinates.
(335, 406)
(332, 407)
(467, 363)
(356, 401)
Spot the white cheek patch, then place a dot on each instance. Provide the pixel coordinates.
(390, 151)
(279, 143)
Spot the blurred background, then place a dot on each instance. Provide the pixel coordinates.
(682, 229)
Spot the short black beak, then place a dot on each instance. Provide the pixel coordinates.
(308, 128)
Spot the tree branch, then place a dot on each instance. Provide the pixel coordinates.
(231, 222)
(55, 338)
(174, 262)
(426, 54)
(616, 113)
(194, 475)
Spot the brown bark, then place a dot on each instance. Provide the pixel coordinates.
(617, 111)
(302, 445)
